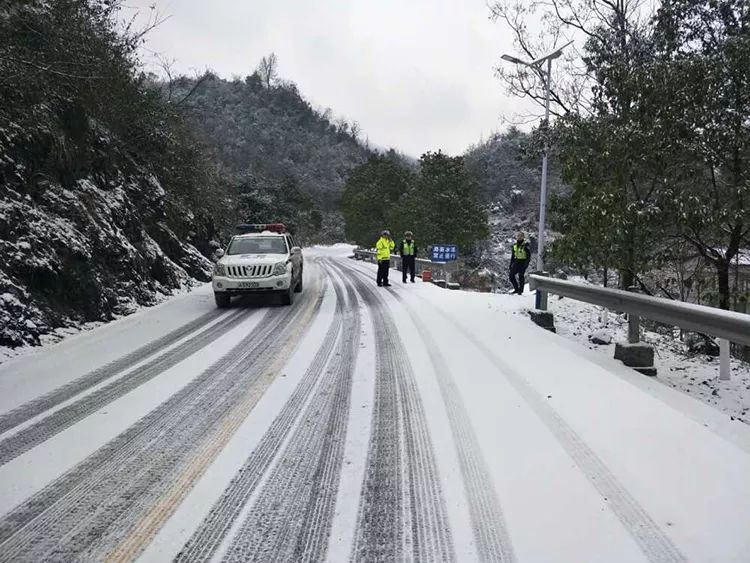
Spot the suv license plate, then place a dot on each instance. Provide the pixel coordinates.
(249, 285)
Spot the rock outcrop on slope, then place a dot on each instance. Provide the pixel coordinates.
(106, 203)
(89, 252)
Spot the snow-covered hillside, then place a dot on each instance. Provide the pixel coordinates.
(89, 253)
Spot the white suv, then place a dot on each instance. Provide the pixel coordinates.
(263, 259)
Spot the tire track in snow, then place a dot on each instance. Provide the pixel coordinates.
(216, 526)
(136, 529)
(51, 425)
(37, 406)
(151, 521)
(27, 521)
(86, 512)
(487, 520)
(402, 511)
(291, 519)
(647, 534)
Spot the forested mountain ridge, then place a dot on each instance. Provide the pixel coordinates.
(507, 167)
(286, 160)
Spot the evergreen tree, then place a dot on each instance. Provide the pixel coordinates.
(612, 217)
(439, 203)
(444, 206)
(658, 154)
(371, 195)
(702, 83)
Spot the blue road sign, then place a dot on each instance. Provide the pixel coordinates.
(444, 253)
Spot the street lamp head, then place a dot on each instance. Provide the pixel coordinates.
(553, 55)
(514, 60)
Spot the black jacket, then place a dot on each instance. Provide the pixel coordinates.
(528, 254)
(401, 248)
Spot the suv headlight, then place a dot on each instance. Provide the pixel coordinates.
(220, 270)
(279, 269)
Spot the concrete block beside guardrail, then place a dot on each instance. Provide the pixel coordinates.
(638, 356)
(540, 316)
(544, 319)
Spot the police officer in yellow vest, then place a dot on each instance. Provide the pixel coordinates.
(520, 256)
(383, 248)
(407, 248)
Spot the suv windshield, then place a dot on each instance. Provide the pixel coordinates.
(257, 245)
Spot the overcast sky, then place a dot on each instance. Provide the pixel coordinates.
(416, 74)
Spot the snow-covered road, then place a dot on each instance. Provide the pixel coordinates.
(362, 423)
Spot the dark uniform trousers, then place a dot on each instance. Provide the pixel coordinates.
(517, 271)
(383, 267)
(408, 265)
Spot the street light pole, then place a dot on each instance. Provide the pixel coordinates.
(543, 195)
(541, 302)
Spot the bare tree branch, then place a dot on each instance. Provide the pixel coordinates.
(575, 21)
(54, 71)
(569, 80)
(166, 66)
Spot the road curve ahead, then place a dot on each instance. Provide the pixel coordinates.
(362, 423)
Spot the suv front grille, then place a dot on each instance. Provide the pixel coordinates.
(252, 271)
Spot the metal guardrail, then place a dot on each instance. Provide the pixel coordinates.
(729, 325)
(440, 270)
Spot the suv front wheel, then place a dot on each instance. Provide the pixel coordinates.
(287, 297)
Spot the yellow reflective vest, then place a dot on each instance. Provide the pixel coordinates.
(383, 248)
(519, 251)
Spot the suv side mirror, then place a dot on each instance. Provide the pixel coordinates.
(219, 253)
(296, 250)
